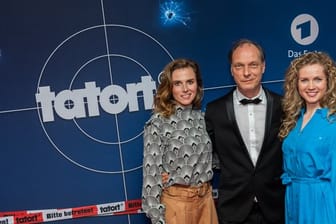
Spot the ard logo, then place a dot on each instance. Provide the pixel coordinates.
(304, 29)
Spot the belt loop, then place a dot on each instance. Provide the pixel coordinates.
(203, 189)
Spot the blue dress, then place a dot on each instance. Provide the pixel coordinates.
(310, 171)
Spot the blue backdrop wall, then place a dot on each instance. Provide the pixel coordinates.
(77, 79)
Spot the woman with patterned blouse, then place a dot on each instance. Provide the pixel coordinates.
(176, 142)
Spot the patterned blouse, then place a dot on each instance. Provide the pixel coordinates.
(180, 146)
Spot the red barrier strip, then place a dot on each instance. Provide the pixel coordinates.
(48, 215)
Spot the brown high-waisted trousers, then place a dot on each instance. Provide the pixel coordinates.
(189, 205)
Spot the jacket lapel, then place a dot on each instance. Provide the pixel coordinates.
(232, 118)
(268, 117)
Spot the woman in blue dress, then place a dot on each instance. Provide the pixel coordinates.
(309, 140)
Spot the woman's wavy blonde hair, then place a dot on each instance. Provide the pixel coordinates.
(292, 102)
(164, 102)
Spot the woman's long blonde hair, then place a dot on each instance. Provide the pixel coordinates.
(292, 102)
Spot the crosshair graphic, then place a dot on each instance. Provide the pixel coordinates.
(120, 71)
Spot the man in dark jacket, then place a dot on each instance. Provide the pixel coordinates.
(243, 126)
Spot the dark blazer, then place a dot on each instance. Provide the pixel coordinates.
(239, 180)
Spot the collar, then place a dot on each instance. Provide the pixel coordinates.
(239, 96)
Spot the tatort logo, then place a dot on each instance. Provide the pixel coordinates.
(93, 102)
(304, 29)
(82, 103)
